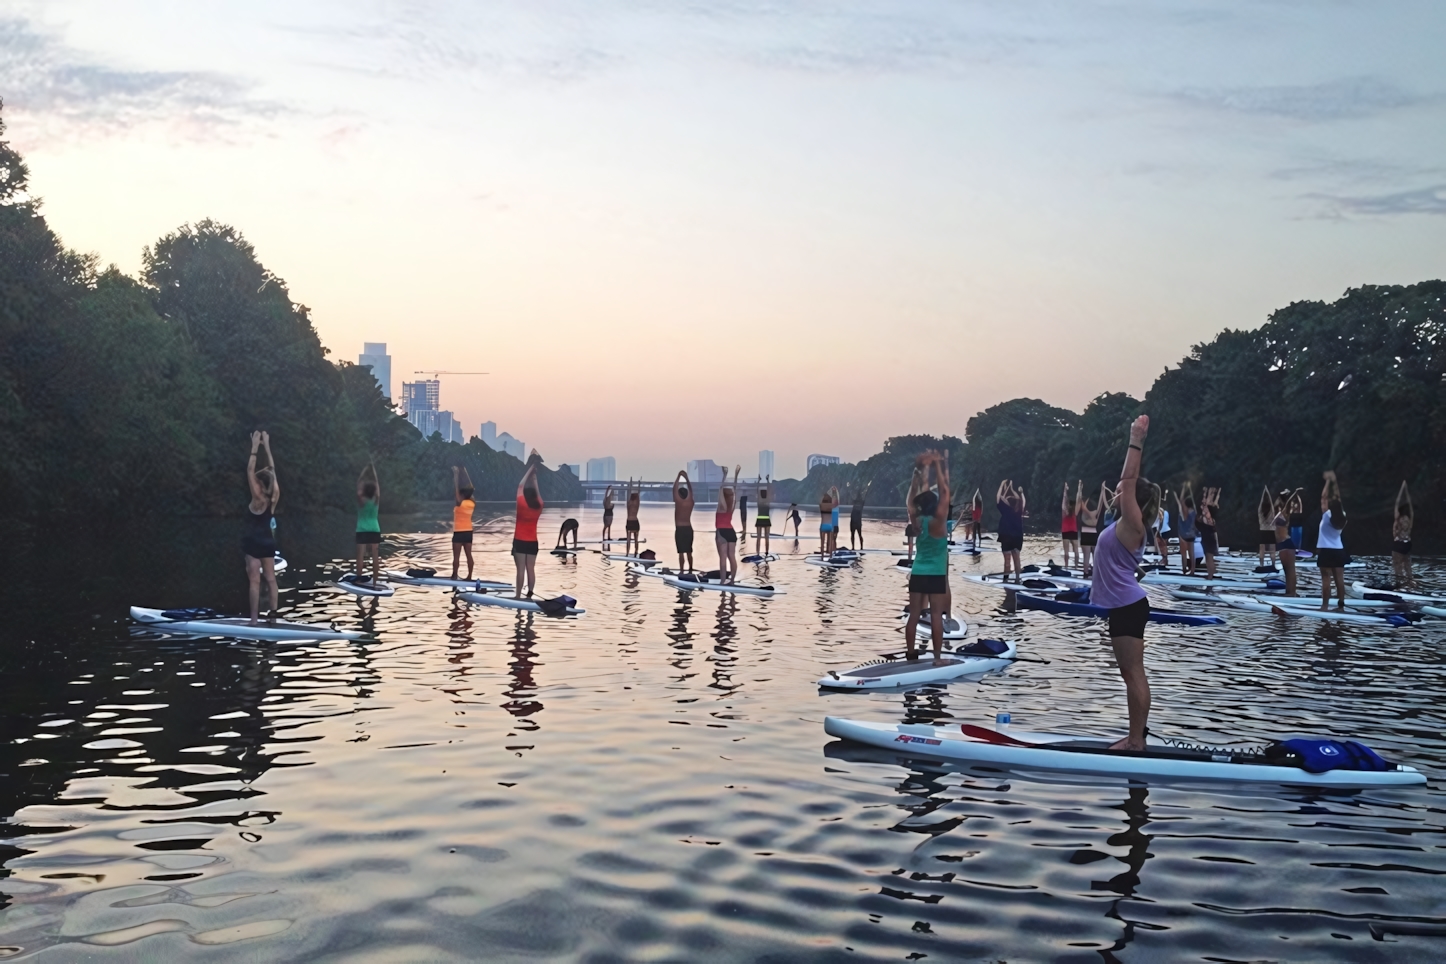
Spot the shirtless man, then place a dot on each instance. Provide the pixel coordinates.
(683, 497)
(764, 525)
(607, 532)
(632, 528)
(856, 518)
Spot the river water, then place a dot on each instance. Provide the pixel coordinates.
(652, 781)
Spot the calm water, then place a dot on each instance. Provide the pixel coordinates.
(652, 781)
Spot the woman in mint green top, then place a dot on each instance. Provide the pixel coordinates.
(929, 576)
(368, 528)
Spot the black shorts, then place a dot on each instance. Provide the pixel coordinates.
(1168, 534)
(928, 585)
(1267, 537)
(368, 538)
(1330, 558)
(462, 538)
(608, 517)
(1130, 620)
(762, 522)
(1284, 544)
(632, 525)
(524, 547)
(728, 535)
(1071, 536)
(1010, 543)
(683, 539)
(1088, 539)
(1210, 542)
(1403, 547)
(258, 548)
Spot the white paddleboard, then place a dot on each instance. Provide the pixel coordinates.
(236, 627)
(507, 602)
(349, 584)
(619, 557)
(1253, 604)
(606, 542)
(679, 582)
(828, 563)
(445, 582)
(1361, 591)
(889, 673)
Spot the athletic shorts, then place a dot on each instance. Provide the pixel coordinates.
(855, 526)
(683, 538)
(1010, 543)
(728, 535)
(1168, 534)
(762, 522)
(1071, 536)
(608, 517)
(1404, 548)
(1267, 537)
(1210, 542)
(266, 548)
(1284, 544)
(1330, 558)
(633, 525)
(462, 538)
(524, 547)
(1130, 620)
(1088, 539)
(928, 585)
(368, 538)
(825, 527)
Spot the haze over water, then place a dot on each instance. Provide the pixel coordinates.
(652, 781)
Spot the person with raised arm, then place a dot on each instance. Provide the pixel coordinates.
(856, 517)
(683, 499)
(1069, 527)
(929, 575)
(524, 532)
(1265, 522)
(1401, 540)
(1284, 545)
(607, 527)
(1164, 532)
(1185, 516)
(1330, 551)
(368, 524)
(976, 518)
(1117, 557)
(1209, 537)
(825, 523)
(1010, 503)
(836, 502)
(462, 509)
(1089, 519)
(258, 542)
(795, 517)
(633, 529)
(725, 537)
(1296, 509)
(763, 525)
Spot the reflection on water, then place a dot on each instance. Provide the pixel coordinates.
(653, 780)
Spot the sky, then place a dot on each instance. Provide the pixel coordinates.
(678, 230)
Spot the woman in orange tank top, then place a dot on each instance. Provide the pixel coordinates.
(524, 537)
(462, 509)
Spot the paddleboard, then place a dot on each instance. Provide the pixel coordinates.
(953, 628)
(619, 557)
(1437, 611)
(1252, 604)
(193, 622)
(828, 563)
(691, 582)
(563, 551)
(1064, 607)
(507, 602)
(445, 582)
(983, 656)
(605, 542)
(1361, 591)
(760, 558)
(1087, 755)
(350, 583)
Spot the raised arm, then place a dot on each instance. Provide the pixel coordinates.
(1262, 511)
(361, 480)
(251, 481)
(526, 476)
(1330, 488)
(680, 480)
(1403, 497)
(1064, 501)
(456, 486)
(939, 524)
(916, 485)
(1003, 491)
(1131, 520)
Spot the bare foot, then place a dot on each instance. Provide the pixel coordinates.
(1128, 744)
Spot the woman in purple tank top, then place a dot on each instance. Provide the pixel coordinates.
(1115, 587)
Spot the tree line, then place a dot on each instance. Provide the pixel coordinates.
(134, 396)
(1357, 385)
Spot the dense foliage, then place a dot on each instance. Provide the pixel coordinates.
(136, 396)
(1358, 385)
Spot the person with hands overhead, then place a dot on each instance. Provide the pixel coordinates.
(632, 528)
(1330, 551)
(368, 525)
(258, 541)
(462, 509)
(1069, 527)
(1284, 544)
(725, 537)
(1089, 519)
(1185, 516)
(929, 575)
(1401, 540)
(683, 499)
(1209, 537)
(1010, 503)
(524, 532)
(607, 526)
(763, 524)
(1114, 587)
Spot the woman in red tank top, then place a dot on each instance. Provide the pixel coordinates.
(727, 536)
(524, 536)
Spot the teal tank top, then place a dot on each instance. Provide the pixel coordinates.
(366, 516)
(931, 553)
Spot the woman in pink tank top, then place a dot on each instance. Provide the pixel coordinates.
(1115, 587)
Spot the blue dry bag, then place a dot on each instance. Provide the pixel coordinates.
(1318, 756)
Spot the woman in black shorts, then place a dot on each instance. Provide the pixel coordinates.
(1401, 540)
(257, 541)
(1209, 538)
(1330, 551)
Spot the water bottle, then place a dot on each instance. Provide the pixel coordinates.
(1001, 721)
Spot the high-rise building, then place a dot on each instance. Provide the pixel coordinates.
(765, 464)
(488, 434)
(374, 353)
(706, 472)
(817, 460)
(512, 446)
(424, 395)
(604, 469)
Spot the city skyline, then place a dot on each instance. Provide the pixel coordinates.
(938, 206)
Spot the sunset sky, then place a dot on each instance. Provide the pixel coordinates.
(694, 230)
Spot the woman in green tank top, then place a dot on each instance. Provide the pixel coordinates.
(929, 577)
(368, 527)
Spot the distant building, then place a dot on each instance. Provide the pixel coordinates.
(420, 396)
(816, 460)
(374, 353)
(574, 467)
(765, 464)
(706, 472)
(488, 434)
(604, 469)
(512, 446)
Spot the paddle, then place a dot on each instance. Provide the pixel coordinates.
(992, 736)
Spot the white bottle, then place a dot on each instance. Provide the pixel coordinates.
(1001, 721)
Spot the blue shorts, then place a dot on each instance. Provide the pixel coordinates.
(825, 527)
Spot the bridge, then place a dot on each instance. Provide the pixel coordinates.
(660, 491)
